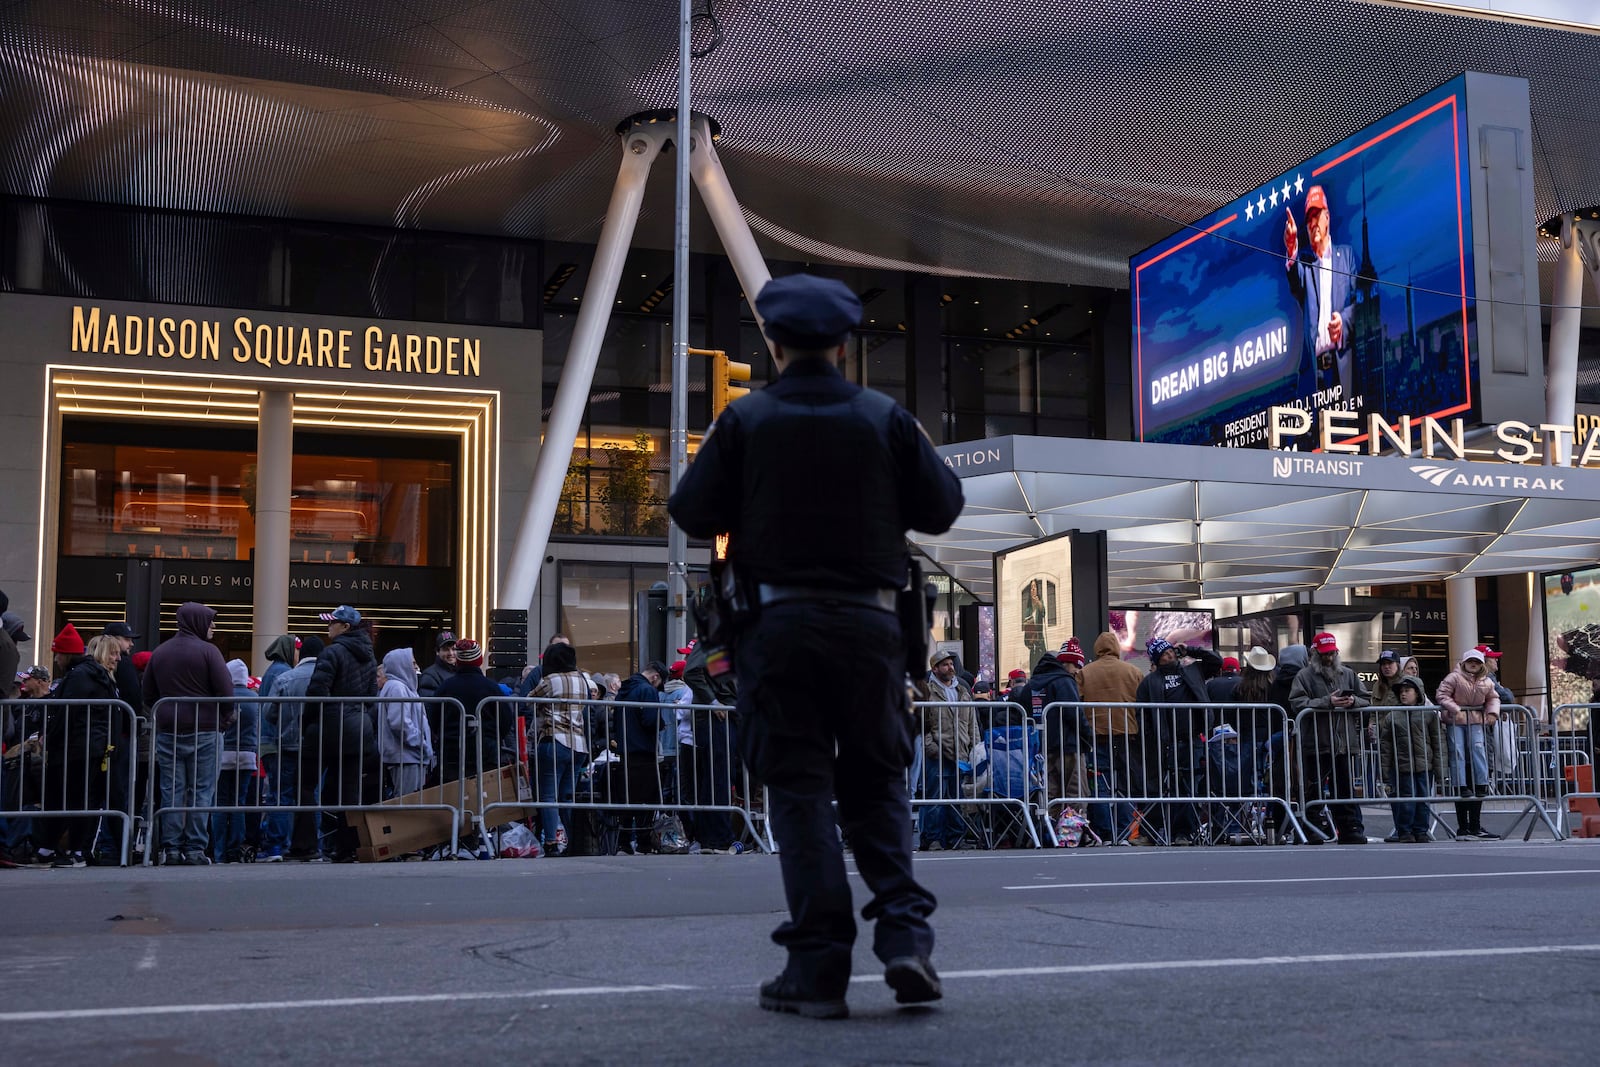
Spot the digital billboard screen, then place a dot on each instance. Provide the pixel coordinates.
(1344, 284)
(1572, 635)
(1135, 627)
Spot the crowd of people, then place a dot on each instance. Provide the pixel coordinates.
(329, 725)
(1115, 742)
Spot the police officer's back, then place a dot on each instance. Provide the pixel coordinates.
(816, 481)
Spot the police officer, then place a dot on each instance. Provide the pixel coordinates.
(816, 481)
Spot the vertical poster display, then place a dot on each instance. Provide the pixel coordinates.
(1033, 602)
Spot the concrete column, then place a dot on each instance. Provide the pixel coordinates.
(1461, 604)
(1560, 405)
(274, 466)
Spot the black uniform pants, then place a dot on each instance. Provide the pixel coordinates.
(851, 741)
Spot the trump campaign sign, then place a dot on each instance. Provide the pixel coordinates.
(1350, 283)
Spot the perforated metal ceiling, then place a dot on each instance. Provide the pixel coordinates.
(1028, 138)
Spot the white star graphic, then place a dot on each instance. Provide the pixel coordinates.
(1249, 209)
(1286, 190)
(1261, 205)
(1299, 183)
(1274, 198)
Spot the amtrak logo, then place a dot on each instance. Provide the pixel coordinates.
(1433, 475)
(1442, 477)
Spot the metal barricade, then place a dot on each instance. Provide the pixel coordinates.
(604, 770)
(331, 757)
(60, 768)
(973, 762)
(1422, 761)
(1174, 773)
(1567, 749)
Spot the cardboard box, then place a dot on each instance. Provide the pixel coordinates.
(383, 835)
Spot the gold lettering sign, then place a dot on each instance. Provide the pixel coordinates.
(274, 346)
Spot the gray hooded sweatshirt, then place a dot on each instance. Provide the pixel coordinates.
(403, 734)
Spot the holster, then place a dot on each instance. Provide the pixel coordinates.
(723, 609)
(914, 606)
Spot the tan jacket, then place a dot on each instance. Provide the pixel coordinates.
(949, 732)
(1106, 680)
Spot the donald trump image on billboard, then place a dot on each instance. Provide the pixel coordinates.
(1321, 278)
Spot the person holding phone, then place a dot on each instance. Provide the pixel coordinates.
(1330, 736)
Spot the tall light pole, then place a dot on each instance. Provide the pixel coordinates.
(678, 434)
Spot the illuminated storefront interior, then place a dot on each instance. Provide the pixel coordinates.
(391, 499)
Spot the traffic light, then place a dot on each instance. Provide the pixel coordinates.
(724, 370)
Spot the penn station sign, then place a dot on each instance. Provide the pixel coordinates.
(1350, 433)
(279, 346)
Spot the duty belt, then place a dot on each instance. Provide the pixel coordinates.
(881, 599)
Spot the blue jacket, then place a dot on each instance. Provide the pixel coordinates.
(282, 721)
(244, 734)
(634, 729)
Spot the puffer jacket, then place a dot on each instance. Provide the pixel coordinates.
(1468, 701)
(1332, 729)
(1108, 679)
(1411, 739)
(346, 668)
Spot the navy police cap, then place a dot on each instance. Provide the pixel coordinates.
(807, 312)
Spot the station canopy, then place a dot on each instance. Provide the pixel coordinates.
(1185, 522)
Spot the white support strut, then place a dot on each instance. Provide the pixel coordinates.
(642, 144)
(640, 147)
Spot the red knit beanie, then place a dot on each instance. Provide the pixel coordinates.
(67, 642)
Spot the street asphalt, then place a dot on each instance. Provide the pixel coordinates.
(1442, 953)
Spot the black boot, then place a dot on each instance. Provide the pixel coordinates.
(1475, 813)
(787, 994)
(1463, 821)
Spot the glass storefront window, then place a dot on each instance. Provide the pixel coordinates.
(140, 501)
(597, 613)
(616, 486)
(600, 611)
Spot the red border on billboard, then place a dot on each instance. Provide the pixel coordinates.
(1450, 101)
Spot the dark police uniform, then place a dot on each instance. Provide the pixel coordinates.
(816, 481)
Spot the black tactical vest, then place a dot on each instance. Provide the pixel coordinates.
(821, 493)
